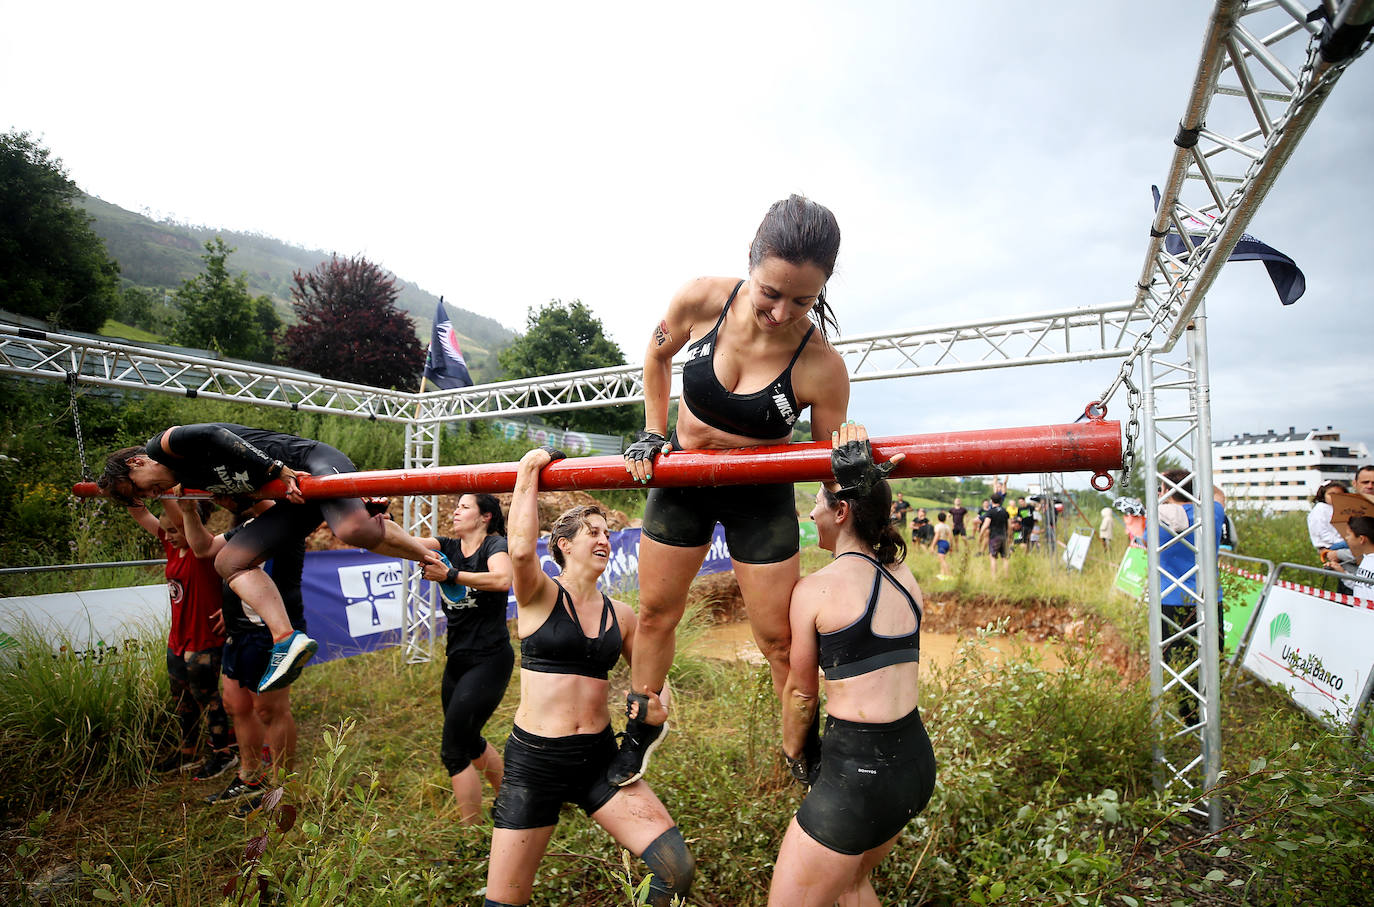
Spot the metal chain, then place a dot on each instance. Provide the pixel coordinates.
(76, 420)
(1132, 429)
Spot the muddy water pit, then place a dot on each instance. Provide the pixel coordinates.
(1041, 627)
(735, 641)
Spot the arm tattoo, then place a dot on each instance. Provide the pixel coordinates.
(661, 333)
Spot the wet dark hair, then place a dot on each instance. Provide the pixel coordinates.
(872, 523)
(487, 504)
(799, 231)
(115, 481)
(1326, 488)
(568, 525)
(1362, 525)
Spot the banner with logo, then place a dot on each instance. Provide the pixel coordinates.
(1240, 596)
(1318, 650)
(354, 599)
(1131, 575)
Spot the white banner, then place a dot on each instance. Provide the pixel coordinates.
(1318, 650)
(91, 620)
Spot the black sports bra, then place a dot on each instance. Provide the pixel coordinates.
(856, 649)
(767, 413)
(560, 647)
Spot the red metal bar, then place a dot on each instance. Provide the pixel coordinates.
(1078, 447)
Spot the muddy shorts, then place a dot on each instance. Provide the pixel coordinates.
(543, 773)
(874, 779)
(760, 521)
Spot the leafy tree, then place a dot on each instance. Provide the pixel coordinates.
(567, 337)
(350, 328)
(218, 312)
(52, 264)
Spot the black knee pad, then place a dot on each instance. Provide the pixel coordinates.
(672, 866)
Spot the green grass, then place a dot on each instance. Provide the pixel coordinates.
(1045, 791)
(114, 328)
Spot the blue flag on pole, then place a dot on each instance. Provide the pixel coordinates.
(1288, 279)
(445, 366)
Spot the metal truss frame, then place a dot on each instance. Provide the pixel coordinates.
(421, 516)
(1184, 640)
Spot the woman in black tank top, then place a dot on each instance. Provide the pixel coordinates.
(561, 744)
(755, 361)
(859, 618)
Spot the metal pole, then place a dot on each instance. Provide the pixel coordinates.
(1209, 607)
(1149, 469)
(1082, 446)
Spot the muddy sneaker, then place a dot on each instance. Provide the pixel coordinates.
(453, 593)
(287, 660)
(636, 745)
(237, 789)
(216, 764)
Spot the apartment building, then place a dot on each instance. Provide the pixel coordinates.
(1281, 470)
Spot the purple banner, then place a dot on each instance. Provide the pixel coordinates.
(354, 598)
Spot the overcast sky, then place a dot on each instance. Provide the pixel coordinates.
(983, 160)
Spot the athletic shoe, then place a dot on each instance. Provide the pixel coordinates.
(176, 762)
(636, 745)
(216, 764)
(452, 592)
(244, 808)
(237, 789)
(288, 659)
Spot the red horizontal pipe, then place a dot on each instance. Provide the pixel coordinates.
(1079, 447)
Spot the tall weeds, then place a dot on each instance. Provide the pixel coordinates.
(74, 726)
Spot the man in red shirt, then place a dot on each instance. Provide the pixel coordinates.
(193, 648)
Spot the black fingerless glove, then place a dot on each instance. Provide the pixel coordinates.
(646, 446)
(554, 453)
(803, 768)
(852, 463)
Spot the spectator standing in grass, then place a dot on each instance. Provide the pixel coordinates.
(922, 533)
(995, 525)
(193, 647)
(956, 518)
(1105, 528)
(944, 538)
(900, 508)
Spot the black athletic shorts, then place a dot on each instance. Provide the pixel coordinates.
(874, 779)
(543, 773)
(760, 521)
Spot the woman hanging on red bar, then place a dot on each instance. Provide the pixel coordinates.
(755, 361)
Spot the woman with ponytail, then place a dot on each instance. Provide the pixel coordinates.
(858, 619)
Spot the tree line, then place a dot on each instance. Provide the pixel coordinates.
(347, 324)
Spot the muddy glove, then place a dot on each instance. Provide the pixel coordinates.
(852, 463)
(554, 453)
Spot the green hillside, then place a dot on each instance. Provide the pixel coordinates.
(162, 255)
